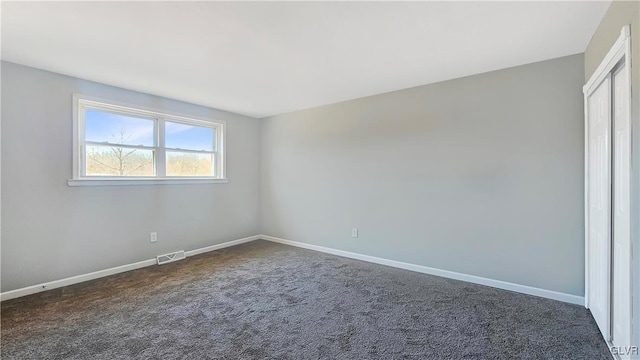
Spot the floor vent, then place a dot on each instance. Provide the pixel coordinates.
(174, 256)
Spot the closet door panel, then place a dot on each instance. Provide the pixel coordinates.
(621, 302)
(599, 202)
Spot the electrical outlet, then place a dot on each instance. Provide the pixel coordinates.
(354, 232)
(153, 237)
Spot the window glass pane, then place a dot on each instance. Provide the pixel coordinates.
(118, 161)
(188, 137)
(101, 126)
(189, 164)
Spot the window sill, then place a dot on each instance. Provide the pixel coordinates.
(122, 182)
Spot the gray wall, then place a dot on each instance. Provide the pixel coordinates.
(622, 13)
(51, 231)
(481, 175)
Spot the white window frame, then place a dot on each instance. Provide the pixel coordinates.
(81, 102)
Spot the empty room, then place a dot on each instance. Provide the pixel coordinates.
(320, 180)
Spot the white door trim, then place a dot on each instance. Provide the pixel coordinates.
(619, 52)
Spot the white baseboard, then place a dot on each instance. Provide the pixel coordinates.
(223, 245)
(573, 299)
(111, 271)
(7, 295)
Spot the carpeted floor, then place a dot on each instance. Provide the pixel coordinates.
(267, 301)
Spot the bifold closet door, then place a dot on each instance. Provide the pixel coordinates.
(621, 279)
(599, 200)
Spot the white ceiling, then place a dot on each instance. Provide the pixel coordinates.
(266, 58)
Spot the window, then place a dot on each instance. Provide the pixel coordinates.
(118, 145)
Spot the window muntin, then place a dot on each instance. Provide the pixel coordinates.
(117, 142)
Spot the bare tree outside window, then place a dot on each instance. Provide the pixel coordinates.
(189, 164)
(119, 161)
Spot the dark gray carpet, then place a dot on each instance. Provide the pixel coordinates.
(267, 301)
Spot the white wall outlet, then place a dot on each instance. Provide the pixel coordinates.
(153, 237)
(354, 232)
